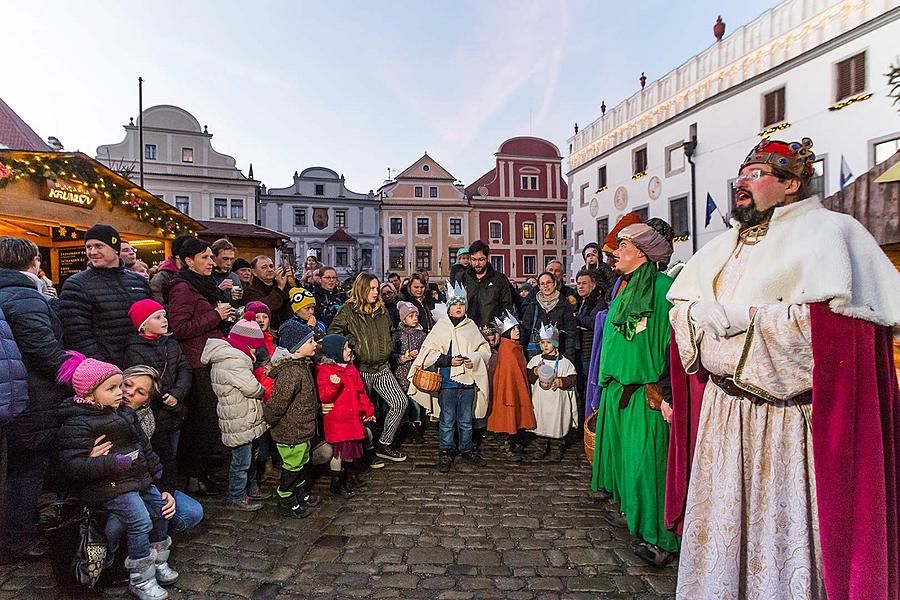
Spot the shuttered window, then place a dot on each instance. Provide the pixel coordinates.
(773, 111)
(851, 76)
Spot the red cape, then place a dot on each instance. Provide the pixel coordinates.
(856, 448)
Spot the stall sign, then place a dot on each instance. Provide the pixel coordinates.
(65, 191)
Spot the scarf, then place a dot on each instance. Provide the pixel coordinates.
(547, 304)
(637, 300)
(204, 284)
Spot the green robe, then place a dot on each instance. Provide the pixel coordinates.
(632, 445)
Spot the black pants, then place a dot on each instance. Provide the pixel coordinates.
(200, 448)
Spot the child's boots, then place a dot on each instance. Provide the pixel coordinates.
(165, 574)
(292, 506)
(339, 486)
(142, 578)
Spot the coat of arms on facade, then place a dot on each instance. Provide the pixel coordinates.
(320, 218)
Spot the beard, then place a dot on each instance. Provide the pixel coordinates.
(748, 214)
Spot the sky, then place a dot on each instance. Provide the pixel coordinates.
(359, 87)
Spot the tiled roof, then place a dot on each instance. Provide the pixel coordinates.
(222, 229)
(340, 236)
(15, 133)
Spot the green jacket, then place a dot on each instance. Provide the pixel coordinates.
(370, 336)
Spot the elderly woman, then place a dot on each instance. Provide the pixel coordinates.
(549, 308)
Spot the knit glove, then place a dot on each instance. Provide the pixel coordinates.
(710, 317)
(158, 475)
(738, 318)
(123, 463)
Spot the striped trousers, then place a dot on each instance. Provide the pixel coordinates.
(387, 387)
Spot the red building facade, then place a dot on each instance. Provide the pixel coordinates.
(519, 207)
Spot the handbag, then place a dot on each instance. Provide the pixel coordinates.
(77, 545)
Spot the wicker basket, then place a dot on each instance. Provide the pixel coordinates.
(590, 427)
(427, 381)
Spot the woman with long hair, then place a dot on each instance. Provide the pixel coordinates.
(364, 320)
(417, 294)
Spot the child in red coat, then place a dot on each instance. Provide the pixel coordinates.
(345, 406)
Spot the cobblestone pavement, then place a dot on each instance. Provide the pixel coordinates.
(506, 531)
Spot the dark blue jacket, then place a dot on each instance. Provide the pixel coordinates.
(13, 377)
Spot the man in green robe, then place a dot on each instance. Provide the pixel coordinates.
(632, 440)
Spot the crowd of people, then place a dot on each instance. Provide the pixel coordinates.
(140, 392)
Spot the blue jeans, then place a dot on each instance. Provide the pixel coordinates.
(188, 513)
(141, 513)
(241, 457)
(456, 405)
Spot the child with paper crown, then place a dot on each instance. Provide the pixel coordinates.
(552, 377)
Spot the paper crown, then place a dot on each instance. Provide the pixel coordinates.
(796, 158)
(549, 331)
(456, 293)
(506, 323)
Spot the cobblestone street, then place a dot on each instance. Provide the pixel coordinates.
(514, 531)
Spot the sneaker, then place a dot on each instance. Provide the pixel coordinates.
(375, 462)
(444, 461)
(389, 453)
(246, 505)
(475, 458)
(259, 494)
(293, 507)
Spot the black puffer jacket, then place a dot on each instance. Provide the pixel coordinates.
(489, 297)
(94, 307)
(38, 334)
(165, 355)
(328, 303)
(97, 479)
(562, 316)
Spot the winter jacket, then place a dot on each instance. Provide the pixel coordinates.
(489, 297)
(424, 308)
(406, 338)
(584, 320)
(192, 320)
(369, 335)
(351, 403)
(239, 408)
(562, 316)
(97, 478)
(328, 304)
(159, 285)
(263, 357)
(292, 408)
(272, 296)
(165, 355)
(94, 307)
(38, 333)
(13, 378)
(220, 276)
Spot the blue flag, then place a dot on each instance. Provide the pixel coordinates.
(846, 173)
(710, 208)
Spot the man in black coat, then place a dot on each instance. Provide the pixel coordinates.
(489, 291)
(31, 436)
(94, 303)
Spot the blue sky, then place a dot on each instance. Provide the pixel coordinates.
(355, 86)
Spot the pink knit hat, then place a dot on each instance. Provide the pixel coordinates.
(85, 374)
(246, 334)
(141, 311)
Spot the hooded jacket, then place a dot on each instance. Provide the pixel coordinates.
(351, 403)
(240, 410)
(164, 355)
(292, 408)
(369, 335)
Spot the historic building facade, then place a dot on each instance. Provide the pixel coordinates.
(425, 219)
(182, 168)
(319, 213)
(519, 207)
(803, 68)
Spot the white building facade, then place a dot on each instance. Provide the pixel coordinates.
(182, 168)
(319, 213)
(806, 68)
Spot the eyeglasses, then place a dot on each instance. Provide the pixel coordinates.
(329, 277)
(753, 175)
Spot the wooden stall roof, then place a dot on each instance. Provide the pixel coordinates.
(245, 230)
(875, 205)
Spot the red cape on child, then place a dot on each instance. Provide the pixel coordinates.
(511, 408)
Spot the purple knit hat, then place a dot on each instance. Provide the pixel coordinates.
(85, 374)
(258, 307)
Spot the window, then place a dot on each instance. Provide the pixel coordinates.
(528, 231)
(340, 218)
(817, 181)
(320, 189)
(548, 260)
(455, 226)
(601, 178)
(300, 217)
(565, 234)
(731, 195)
(497, 262)
(674, 159)
(397, 258)
(423, 259)
(187, 155)
(183, 204)
(237, 209)
(529, 182)
(396, 226)
(365, 258)
(341, 256)
(220, 208)
(886, 149)
(150, 151)
(678, 215)
(643, 212)
(602, 229)
(432, 192)
(549, 231)
(582, 191)
(850, 77)
(773, 107)
(422, 226)
(529, 264)
(418, 191)
(639, 160)
(495, 229)
(579, 239)
(451, 254)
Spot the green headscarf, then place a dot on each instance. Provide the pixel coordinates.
(637, 300)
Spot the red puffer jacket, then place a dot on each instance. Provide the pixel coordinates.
(351, 404)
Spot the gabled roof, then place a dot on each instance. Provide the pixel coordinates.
(248, 230)
(340, 236)
(15, 133)
(426, 168)
(484, 180)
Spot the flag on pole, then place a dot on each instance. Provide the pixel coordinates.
(710, 208)
(846, 173)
